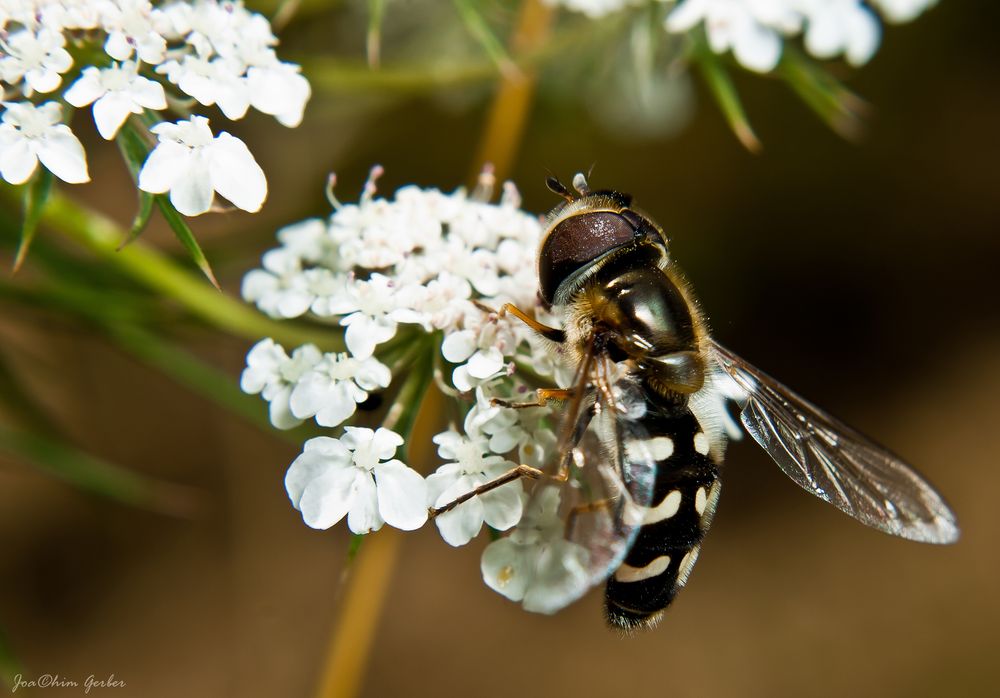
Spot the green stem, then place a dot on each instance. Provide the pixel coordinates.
(335, 75)
(144, 264)
(403, 413)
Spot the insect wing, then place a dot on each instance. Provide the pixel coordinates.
(834, 462)
(577, 529)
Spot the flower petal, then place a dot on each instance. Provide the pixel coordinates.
(110, 112)
(459, 346)
(235, 174)
(402, 495)
(192, 193)
(17, 162)
(505, 569)
(364, 516)
(63, 155)
(503, 507)
(329, 497)
(165, 165)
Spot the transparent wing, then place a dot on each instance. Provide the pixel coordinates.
(835, 462)
(580, 519)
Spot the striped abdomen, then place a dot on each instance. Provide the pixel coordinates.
(685, 492)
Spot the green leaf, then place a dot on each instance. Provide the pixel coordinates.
(141, 219)
(36, 195)
(132, 147)
(93, 474)
(721, 85)
(480, 30)
(134, 151)
(373, 41)
(184, 234)
(842, 110)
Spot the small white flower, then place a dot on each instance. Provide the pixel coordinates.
(29, 134)
(535, 564)
(116, 92)
(130, 25)
(899, 11)
(842, 26)
(191, 165)
(37, 58)
(274, 375)
(334, 387)
(481, 349)
(368, 307)
(280, 289)
(353, 476)
(470, 467)
(279, 90)
(731, 24)
(211, 81)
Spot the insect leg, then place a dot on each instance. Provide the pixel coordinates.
(550, 333)
(509, 476)
(544, 395)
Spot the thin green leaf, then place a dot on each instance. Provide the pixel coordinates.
(373, 40)
(721, 85)
(132, 147)
(141, 219)
(134, 151)
(9, 666)
(184, 234)
(36, 195)
(842, 110)
(93, 474)
(480, 30)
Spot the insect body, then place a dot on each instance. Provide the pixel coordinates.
(643, 434)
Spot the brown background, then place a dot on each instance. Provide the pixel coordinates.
(862, 274)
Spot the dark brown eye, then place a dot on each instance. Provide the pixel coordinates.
(577, 241)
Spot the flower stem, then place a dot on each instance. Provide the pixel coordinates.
(512, 102)
(361, 606)
(102, 236)
(354, 633)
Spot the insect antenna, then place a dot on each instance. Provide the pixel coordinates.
(580, 184)
(557, 187)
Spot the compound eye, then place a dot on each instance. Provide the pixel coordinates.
(575, 242)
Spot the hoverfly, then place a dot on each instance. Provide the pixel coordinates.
(643, 431)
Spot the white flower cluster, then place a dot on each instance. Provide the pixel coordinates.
(424, 264)
(215, 52)
(754, 30)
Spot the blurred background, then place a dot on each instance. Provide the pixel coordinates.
(861, 273)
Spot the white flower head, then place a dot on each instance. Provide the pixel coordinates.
(115, 92)
(837, 27)
(471, 467)
(273, 374)
(368, 307)
(131, 28)
(30, 134)
(37, 58)
(192, 165)
(356, 476)
(333, 388)
(535, 564)
(731, 24)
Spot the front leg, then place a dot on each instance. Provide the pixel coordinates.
(550, 333)
(543, 396)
